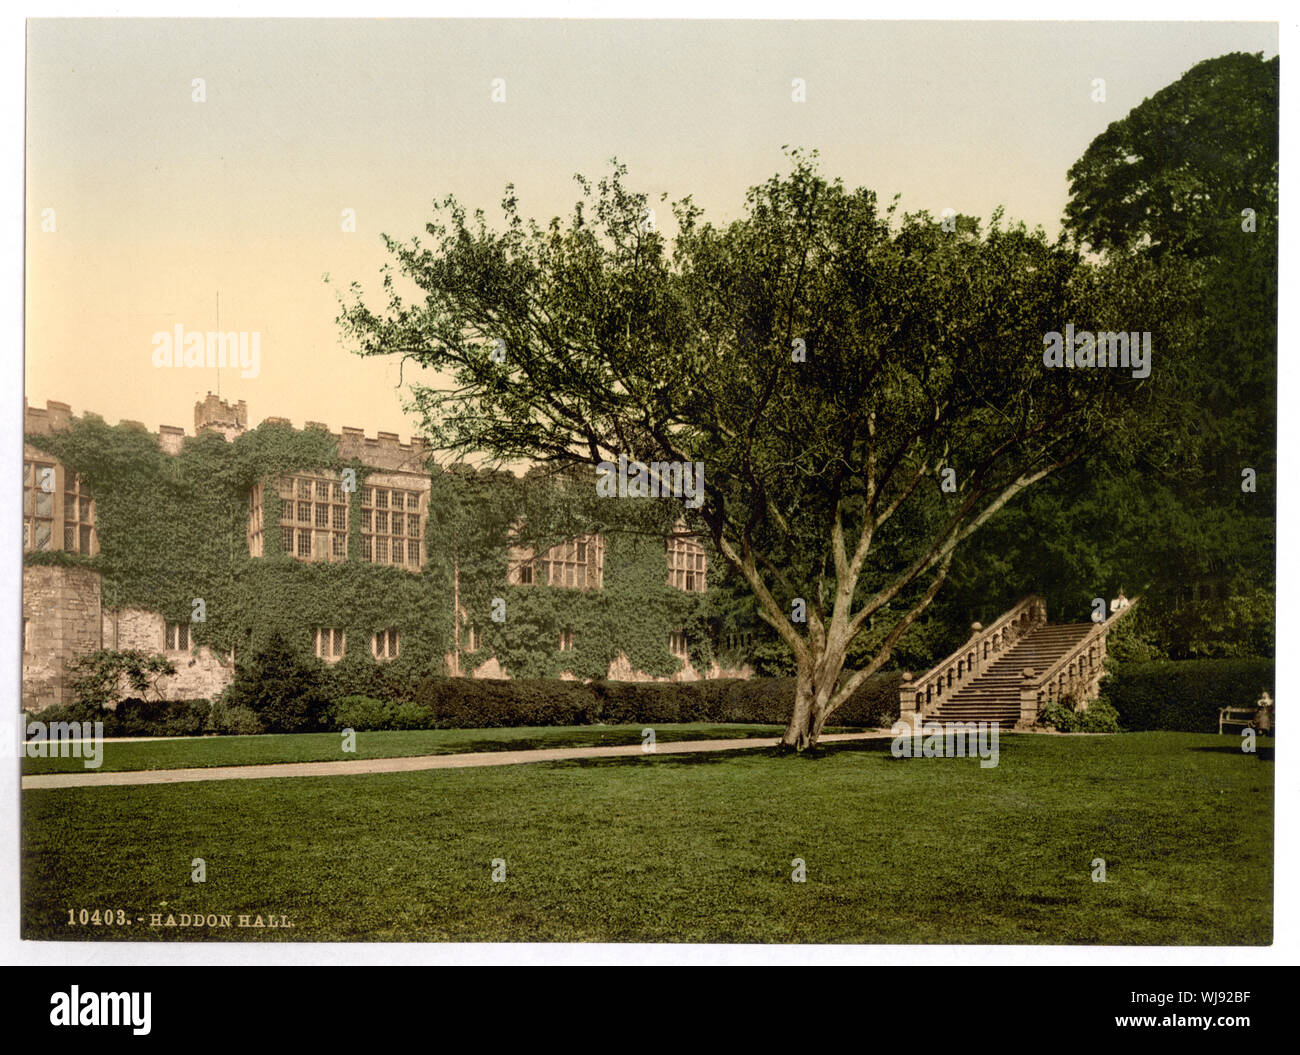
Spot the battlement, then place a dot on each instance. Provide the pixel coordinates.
(215, 414)
(382, 451)
(57, 417)
(53, 417)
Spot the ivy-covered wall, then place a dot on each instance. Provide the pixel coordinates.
(173, 528)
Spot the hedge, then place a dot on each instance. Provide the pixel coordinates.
(462, 703)
(135, 717)
(1185, 695)
(470, 703)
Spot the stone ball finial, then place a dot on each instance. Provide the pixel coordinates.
(976, 627)
(1028, 672)
(907, 675)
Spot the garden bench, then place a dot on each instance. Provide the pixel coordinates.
(1259, 717)
(1242, 716)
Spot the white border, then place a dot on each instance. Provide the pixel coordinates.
(12, 98)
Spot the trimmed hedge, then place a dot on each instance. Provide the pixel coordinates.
(1185, 695)
(136, 717)
(464, 703)
(469, 703)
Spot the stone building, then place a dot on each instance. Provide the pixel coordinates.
(310, 515)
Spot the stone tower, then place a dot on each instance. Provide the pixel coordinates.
(216, 414)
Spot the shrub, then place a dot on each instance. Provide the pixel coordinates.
(407, 715)
(361, 713)
(1057, 716)
(136, 717)
(75, 712)
(233, 721)
(637, 702)
(1185, 695)
(96, 678)
(469, 703)
(466, 703)
(1098, 717)
(874, 704)
(763, 700)
(281, 687)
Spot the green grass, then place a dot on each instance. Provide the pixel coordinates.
(691, 848)
(327, 747)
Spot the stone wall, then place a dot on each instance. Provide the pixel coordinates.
(200, 674)
(61, 620)
(62, 608)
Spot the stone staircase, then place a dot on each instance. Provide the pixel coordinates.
(1011, 669)
(994, 696)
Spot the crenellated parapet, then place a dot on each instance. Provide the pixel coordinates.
(383, 451)
(212, 413)
(41, 421)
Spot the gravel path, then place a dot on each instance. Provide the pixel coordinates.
(91, 778)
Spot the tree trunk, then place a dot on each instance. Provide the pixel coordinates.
(798, 733)
(812, 694)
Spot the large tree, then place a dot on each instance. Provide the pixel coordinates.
(1190, 176)
(1176, 172)
(864, 391)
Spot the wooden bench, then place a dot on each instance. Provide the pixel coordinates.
(1261, 717)
(1239, 716)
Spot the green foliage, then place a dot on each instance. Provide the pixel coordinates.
(1239, 626)
(455, 703)
(1176, 171)
(172, 528)
(137, 717)
(361, 713)
(74, 712)
(822, 357)
(233, 721)
(1156, 511)
(1098, 717)
(286, 692)
(97, 679)
(633, 613)
(1185, 696)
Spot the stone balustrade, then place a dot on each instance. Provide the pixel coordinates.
(919, 695)
(1075, 677)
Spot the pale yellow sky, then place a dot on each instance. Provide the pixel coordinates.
(160, 201)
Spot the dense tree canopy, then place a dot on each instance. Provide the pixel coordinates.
(861, 392)
(1176, 173)
(1190, 175)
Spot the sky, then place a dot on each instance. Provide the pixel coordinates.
(163, 206)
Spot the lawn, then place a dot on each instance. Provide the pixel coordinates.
(688, 848)
(327, 747)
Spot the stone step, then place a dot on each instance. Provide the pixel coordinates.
(993, 694)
